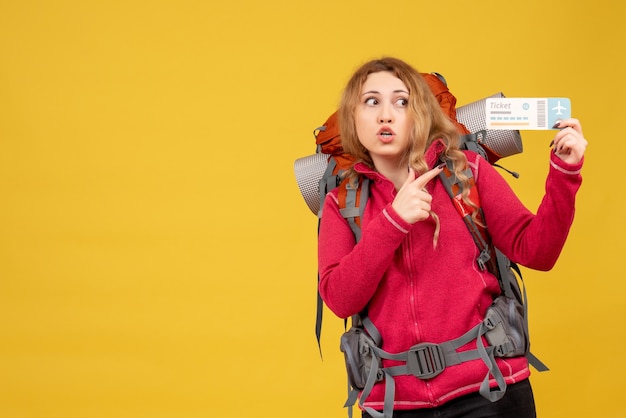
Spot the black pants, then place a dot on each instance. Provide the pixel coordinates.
(517, 402)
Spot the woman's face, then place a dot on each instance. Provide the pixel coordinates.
(382, 117)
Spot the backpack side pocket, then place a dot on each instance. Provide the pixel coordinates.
(508, 334)
(359, 356)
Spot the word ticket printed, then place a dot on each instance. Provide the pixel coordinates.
(526, 113)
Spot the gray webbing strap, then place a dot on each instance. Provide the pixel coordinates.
(417, 360)
(352, 211)
(505, 279)
(318, 318)
(390, 390)
(536, 363)
(353, 395)
(486, 354)
(447, 349)
(328, 179)
(472, 140)
(326, 183)
(365, 193)
(452, 357)
(371, 330)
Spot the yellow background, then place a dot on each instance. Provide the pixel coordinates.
(156, 257)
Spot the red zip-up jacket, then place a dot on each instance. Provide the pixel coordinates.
(417, 293)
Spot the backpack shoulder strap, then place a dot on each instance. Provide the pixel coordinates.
(352, 200)
(490, 257)
(477, 228)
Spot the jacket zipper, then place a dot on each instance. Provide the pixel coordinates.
(412, 300)
(412, 292)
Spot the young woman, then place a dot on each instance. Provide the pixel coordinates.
(415, 266)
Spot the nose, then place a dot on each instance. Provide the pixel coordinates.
(385, 115)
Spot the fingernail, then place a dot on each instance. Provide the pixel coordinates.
(551, 142)
(557, 124)
(442, 165)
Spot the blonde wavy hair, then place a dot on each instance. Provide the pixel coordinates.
(429, 124)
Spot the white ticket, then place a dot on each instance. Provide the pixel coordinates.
(526, 113)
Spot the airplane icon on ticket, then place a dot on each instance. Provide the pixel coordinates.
(559, 109)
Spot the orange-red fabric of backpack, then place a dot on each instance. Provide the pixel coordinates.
(329, 140)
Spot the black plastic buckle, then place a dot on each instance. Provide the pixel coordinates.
(425, 360)
(502, 350)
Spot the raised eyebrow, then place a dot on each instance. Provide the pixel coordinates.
(377, 92)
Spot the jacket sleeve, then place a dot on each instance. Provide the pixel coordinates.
(351, 272)
(532, 240)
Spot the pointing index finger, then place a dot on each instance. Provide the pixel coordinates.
(423, 180)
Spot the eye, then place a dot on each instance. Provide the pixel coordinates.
(371, 101)
(402, 102)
